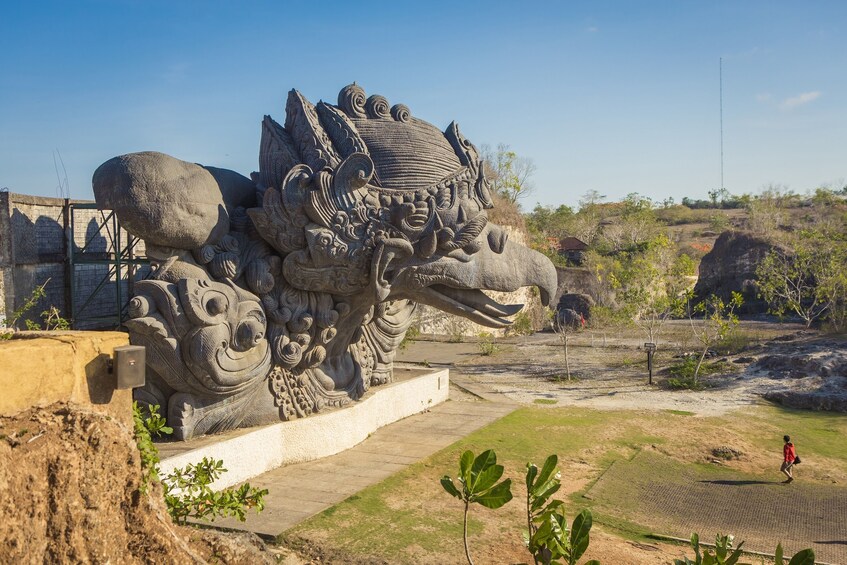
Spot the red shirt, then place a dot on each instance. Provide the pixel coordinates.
(788, 452)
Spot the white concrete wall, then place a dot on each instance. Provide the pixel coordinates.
(258, 451)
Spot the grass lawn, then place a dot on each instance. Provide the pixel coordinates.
(408, 518)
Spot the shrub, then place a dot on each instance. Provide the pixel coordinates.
(145, 429)
(718, 222)
(683, 373)
(51, 317)
(187, 491)
(725, 555)
(486, 344)
(734, 343)
(411, 335)
(607, 317)
(522, 324)
(188, 494)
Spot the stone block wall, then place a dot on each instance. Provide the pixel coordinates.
(35, 240)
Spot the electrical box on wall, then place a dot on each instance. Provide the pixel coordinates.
(130, 366)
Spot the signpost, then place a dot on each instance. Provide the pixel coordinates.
(650, 348)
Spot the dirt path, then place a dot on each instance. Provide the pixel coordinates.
(609, 369)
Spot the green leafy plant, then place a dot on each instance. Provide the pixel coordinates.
(487, 345)
(724, 554)
(53, 320)
(145, 428)
(547, 537)
(478, 484)
(802, 557)
(522, 324)
(717, 322)
(188, 494)
(8, 324)
(187, 490)
(411, 335)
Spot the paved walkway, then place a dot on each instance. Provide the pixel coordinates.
(300, 491)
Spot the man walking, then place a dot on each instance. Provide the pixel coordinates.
(788, 456)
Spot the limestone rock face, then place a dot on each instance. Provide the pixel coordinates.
(731, 266)
(812, 379)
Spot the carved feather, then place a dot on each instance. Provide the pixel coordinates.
(312, 143)
(465, 150)
(277, 154)
(341, 130)
(342, 191)
(281, 218)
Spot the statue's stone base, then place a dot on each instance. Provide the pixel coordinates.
(251, 452)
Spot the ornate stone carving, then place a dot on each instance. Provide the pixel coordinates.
(277, 296)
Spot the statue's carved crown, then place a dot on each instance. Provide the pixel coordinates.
(408, 154)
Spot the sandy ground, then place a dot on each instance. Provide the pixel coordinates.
(614, 375)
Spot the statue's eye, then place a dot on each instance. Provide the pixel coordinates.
(216, 305)
(249, 333)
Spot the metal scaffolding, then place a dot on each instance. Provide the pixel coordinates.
(120, 262)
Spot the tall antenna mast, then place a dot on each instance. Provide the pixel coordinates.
(720, 75)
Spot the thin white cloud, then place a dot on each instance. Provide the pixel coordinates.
(593, 29)
(800, 100)
(763, 97)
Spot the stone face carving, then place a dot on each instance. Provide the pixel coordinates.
(278, 296)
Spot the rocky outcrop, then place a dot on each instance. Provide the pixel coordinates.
(579, 280)
(581, 304)
(731, 266)
(812, 379)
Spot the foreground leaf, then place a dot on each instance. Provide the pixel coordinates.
(495, 497)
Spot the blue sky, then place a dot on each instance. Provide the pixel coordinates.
(617, 97)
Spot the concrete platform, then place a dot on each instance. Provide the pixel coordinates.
(251, 452)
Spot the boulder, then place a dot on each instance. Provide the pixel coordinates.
(731, 266)
(581, 281)
(168, 202)
(579, 303)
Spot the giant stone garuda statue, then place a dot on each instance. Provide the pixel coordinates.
(276, 296)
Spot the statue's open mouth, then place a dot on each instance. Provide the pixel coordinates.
(469, 303)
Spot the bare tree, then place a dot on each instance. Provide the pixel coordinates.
(509, 173)
(565, 322)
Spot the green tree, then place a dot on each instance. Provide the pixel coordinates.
(767, 212)
(809, 280)
(712, 321)
(636, 225)
(653, 288)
